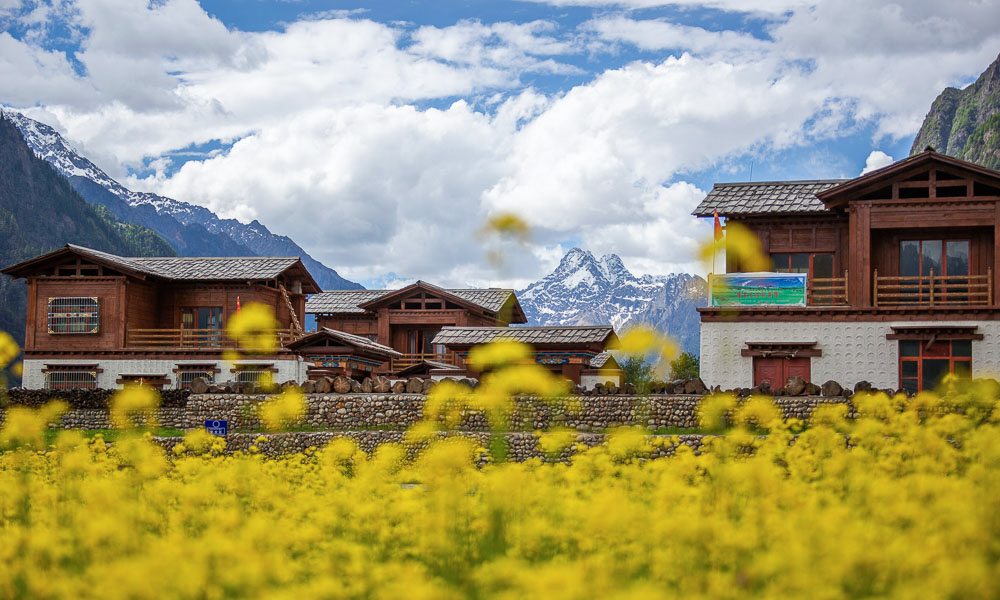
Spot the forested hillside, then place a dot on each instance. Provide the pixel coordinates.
(40, 212)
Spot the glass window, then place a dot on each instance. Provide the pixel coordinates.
(780, 263)
(933, 369)
(923, 365)
(957, 257)
(799, 263)
(930, 257)
(822, 266)
(909, 258)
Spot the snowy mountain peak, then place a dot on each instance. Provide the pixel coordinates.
(584, 290)
(190, 229)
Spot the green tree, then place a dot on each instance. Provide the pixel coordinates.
(638, 372)
(685, 366)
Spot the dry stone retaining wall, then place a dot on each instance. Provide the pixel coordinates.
(346, 412)
(396, 412)
(521, 446)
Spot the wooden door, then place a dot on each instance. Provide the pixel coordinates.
(776, 371)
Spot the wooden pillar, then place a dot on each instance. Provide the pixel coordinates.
(32, 321)
(384, 333)
(122, 308)
(859, 256)
(996, 251)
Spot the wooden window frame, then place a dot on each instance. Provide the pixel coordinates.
(62, 302)
(943, 259)
(923, 346)
(812, 255)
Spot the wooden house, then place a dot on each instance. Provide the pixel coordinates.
(328, 353)
(576, 353)
(407, 319)
(99, 320)
(898, 268)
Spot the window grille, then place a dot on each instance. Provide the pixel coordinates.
(186, 378)
(74, 315)
(64, 380)
(250, 375)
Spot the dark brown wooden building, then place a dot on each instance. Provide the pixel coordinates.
(99, 320)
(900, 273)
(329, 353)
(407, 319)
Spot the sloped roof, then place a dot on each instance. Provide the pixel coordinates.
(766, 197)
(349, 301)
(602, 359)
(360, 342)
(224, 268)
(529, 335)
(426, 366)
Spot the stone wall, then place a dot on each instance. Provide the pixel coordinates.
(97, 418)
(396, 412)
(520, 446)
(399, 411)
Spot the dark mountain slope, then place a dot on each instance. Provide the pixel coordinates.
(40, 212)
(966, 123)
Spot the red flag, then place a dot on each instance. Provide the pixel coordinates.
(718, 227)
(237, 304)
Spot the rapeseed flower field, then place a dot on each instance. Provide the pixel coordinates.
(903, 501)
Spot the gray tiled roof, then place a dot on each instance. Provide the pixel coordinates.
(600, 360)
(350, 339)
(765, 197)
(347, 301)
(528, 335)
(201, 268)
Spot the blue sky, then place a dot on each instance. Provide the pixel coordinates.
(380, 136)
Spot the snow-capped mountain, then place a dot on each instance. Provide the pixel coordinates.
(190, 229)
(584, 290)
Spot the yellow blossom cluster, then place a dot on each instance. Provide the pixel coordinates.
(899, 502)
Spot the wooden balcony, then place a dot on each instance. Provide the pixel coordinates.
(408, 360)
(190, 338)
(829, 291)
(933, 290)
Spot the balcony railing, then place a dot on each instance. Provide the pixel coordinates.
(933, 290)
(827, 291)
(408, 360)
(190, 338)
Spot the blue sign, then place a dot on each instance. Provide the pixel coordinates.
(217, 427)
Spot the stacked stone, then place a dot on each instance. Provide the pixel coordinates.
(521, 446)
(86, 398)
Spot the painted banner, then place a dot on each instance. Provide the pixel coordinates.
(759, 289)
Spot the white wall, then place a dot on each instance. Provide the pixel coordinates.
(288, 369)
(588, 381)
(852, 352)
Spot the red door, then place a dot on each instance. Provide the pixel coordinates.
(776, 371)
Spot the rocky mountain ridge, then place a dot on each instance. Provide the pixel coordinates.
(966, 123)
(190, 229)
(584, 290)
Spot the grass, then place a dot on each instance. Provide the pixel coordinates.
(111, 435)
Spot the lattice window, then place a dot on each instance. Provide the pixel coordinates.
(250, 375)
(186, 378)
(74, 315)
(69, 379)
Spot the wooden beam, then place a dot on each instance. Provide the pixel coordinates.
(996, 251)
